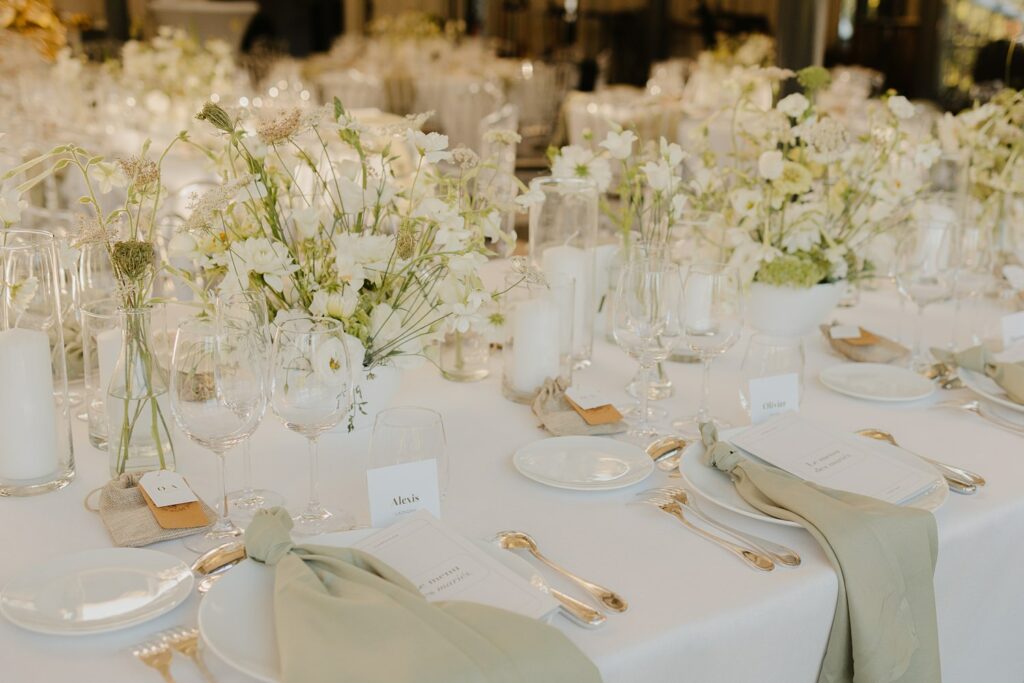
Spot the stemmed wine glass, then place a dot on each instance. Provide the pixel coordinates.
(409, 434)
(711, 323)
(312, 393)
(926, 266)
(246, 312)
(218, 399)
(642, 324)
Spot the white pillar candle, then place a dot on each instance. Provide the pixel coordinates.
(28, 416)
(535, 352)
(571, 262)
(697, 298)
(108, 348)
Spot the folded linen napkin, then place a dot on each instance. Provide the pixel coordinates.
(1009, 376)
(559, 418)
(342, 615)
(881, 351)
(884, 629)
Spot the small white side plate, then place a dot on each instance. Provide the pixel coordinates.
(236, 618)
(714, 486)
(876, 382)
(96, 591)
(986, 387)
(583, 463)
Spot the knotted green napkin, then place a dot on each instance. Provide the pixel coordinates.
(343, 615)
(884, 629)
(1009, 376)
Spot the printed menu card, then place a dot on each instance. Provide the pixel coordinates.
(834, 459)
(447, 566)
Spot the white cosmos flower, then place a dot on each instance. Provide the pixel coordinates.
(106, 176)
(793, 105)
(431, 146)
(901, 107)
(619, 145)
(21, 294)
(769, 164)
(574, 161)
(362, 256)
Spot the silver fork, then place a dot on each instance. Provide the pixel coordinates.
(752, 558)
(158, 656)
(976, 408)
(777, 552)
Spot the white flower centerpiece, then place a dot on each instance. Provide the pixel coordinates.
(314, 212)
(809, 206)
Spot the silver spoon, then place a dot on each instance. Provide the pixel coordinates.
(666, 452)
(213, 564)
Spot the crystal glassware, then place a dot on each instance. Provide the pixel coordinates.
(246, 312)
(218, 398)
(409, 434)
(926, 265)
(312, 391)
(712, 319)
(538, 333)
(643, 326)
(770, 356)
(101, 344)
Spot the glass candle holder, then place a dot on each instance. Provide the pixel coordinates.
(563, 241)
(101, 345)
(36, 451)
(464, 356)
(538, 341)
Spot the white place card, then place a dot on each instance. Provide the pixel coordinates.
(834, 459)
(402, 489)
(166, 488)
(446, 566)
(773, 395)
(844, 332)
(586, 399)
(1013, 329)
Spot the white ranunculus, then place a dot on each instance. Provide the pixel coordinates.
(793, 105)
(619, 145)
(769, 165)
(901, 107)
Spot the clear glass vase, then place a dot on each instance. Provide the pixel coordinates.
(464, 356)
(138, 429)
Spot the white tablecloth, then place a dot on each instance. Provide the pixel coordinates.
(697, 614)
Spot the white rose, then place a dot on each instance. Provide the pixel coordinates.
(769, 165)
(793, 105)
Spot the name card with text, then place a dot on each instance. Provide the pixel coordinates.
(1013, 329)
(399, 490)
(773, 395)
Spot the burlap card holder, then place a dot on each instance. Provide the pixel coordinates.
(129, 520)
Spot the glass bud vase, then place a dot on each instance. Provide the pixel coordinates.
(138, 428)
(464, 356)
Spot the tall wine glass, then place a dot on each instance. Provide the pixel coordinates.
(246, 312)
(218, 399)
(642, 325)
(712, 320)
(926, 266)
(974, 278)
(312, 392)
(408, 434)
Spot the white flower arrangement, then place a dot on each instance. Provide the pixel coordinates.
(805, 200)
(313, 213)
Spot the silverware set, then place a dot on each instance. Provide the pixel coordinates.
(756, 552)
(158, 652)
(958, 479)
(578, 611)
(666, 453)
(983, 411)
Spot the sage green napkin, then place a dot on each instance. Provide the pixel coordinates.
(884, 628)
(343, 615)
(1009, 376)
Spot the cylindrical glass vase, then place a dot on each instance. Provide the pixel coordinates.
(539, 327)
(101, 345)
(563, 241)
(464, 356)
(36, 451)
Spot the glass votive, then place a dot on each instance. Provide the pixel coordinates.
(770, 356)
(405, 434)
(101, 344)
(464, 355)
(36, 451)
(538, 345)
(563, 241)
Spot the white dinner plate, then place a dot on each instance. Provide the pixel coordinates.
(583, 463)
(96, 591)
(876, 382)
(714, 486)
(986, 387)
(236, 618)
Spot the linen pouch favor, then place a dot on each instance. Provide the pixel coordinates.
(130, 522)
(558, 417)
(867, 348)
